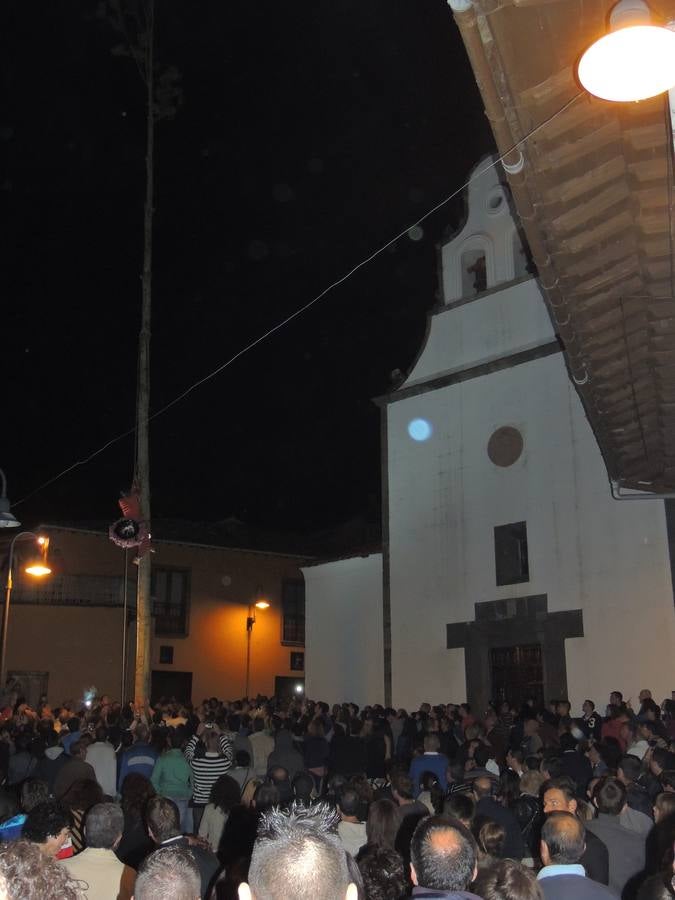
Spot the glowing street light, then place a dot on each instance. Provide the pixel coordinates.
(37, 565)
(634, 61)
(259, 602)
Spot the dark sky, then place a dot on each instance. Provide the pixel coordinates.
(309, 135)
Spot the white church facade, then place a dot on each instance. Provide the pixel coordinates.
(508, 567)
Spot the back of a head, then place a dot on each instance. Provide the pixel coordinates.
(33, 791)
(162, 818)
(383, 823)
(403, 786)
(104, 825)
(443, 854)
(298, 857)
(491, 838)
(631, 766)
(169, 873)
(564, 835)
(44, 821)
(101, 734)
(507, 880)
(609, 796)
(303, 785)
(383, 875)
(349, 801)
(460, 806)
(30, 875)
(483, 787)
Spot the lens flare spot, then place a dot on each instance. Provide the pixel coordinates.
(420, 430)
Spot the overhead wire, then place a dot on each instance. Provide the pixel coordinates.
(302, 309)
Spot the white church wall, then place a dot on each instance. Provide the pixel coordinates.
(344, 656)
(586, 550)
(494, 325)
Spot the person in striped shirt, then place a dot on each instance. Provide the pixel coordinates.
(210, 755)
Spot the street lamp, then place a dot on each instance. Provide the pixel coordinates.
(7, 520)
(37, 565)
(259, 602)
(634, 61)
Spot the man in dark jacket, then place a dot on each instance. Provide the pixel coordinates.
(558, 794)
(626, 848)
(562, 846)
(487, 807)
(163, 823)
(442, 859)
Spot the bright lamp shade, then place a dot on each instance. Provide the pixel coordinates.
(632, 63)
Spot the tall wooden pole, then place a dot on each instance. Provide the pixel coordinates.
(143, 604)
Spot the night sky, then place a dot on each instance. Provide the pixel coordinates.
(310, 133)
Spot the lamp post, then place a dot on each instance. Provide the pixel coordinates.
(259, 603)
(7, 520)
(37, 565)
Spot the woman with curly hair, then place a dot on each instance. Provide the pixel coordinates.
(29, 875)
(77, 801)
(135, 844)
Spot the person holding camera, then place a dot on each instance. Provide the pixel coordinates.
(210, 755)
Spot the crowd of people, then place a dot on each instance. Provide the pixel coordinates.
(275, 800)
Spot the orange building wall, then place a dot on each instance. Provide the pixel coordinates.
(80, 646)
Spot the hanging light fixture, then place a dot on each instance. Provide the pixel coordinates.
(38, 563)
(635, 61)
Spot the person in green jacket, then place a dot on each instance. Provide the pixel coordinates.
(172, 778)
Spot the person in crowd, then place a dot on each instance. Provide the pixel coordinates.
(135, 844)
(382, 826)
(489, 808)
(515, 761)
(97, 866)
(77, 801)
(559, 796)
(431, 761)
(506, 879)
(29, 874)
(591, 722)
(626, 848)
(278, 776)
(285, 754)
(163, 824)
(298, 857)
(22, 763)
(574, 764)
(47, 827)
(242, 771)
(54, 758)
(210, 755)
(224, 796)
(101, 757)
(75, 769)
(316, 752)
(170, 873)
(462, 807)
(490, 839)
(262, 745)
(664, 806)
(140, 758)
(442, 859)
(383, 875)
(562, 876)
(351, 830)
(637, 796)
(70, 733)
(172, 778)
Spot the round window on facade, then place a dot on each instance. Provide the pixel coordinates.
(505, 446)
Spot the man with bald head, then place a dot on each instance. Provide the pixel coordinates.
(442, 859)
(563, 841)
(487, 807)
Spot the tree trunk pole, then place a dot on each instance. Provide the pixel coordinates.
(143, 604)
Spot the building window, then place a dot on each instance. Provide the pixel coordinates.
(293, 612)
(166, 655)
(170, 594)
(297, 661)
(511, 553)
